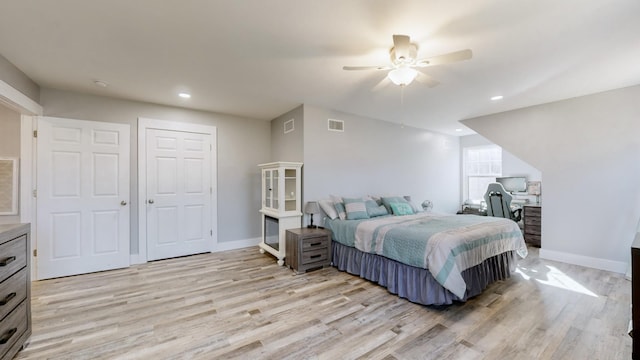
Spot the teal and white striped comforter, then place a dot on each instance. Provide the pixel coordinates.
(446, 245)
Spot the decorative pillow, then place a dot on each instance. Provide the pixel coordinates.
(342, 212)
(328, 208)
(399, 208)
(377, 211)
(414, 207)
(356, 209)
(386, 201)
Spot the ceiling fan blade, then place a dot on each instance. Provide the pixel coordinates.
(401, 46)
(426, 79)
(381, 67)
(445, 58)
(384, 82)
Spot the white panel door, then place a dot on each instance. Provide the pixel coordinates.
(178, 193)
(82, 197)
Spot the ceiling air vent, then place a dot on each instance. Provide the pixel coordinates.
(336, 125)
(288, 126)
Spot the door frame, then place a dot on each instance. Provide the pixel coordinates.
(28, 110)
(143, 125)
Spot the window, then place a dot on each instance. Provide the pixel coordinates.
(481, 166)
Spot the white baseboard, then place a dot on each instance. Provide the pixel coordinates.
(237, 244)
(135, 259)
(596, 263)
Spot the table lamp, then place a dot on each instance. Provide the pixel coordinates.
(311, 208)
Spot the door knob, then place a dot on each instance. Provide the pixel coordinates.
(150, 201)
(123, 203)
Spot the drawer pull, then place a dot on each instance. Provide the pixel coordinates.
(5, 338)
(315, 256)
(7, 261)
(315, 244)
(7, 299)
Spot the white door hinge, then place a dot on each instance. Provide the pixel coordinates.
(35, 193)
(211, 232)
(35, 133)
(35, 252)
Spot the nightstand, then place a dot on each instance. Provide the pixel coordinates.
(308, 249)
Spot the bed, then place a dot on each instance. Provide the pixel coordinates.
(428, 258)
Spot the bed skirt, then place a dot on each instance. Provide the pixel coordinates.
(416, 284)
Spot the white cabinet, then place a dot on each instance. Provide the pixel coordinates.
(281, 205)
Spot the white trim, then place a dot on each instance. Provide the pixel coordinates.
(18, 101)
(143, 125)
(237, 244)
(596, 263)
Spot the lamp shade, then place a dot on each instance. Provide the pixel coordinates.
(402, 75)
(311, 207)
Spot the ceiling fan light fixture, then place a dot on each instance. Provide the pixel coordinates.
(402, 76)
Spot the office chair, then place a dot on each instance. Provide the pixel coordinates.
(499, 203)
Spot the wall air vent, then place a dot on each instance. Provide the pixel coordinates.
(336, 125)
(288, 126)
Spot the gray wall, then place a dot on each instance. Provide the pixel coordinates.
(377, 157)
(587, 148)
(242, 144)
(18, 80)
(289, 146)
(9, 145)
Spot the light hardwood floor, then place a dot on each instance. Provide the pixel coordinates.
(240, 304)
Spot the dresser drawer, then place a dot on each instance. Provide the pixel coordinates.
(315, 243)
(532, 211)
(12, 292)
(12, 327)
(532, 221)
(13, 257)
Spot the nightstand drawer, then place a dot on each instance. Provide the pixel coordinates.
(12, 292)
(315, 243)
(313, 256)
(533, 221)
(13, 256)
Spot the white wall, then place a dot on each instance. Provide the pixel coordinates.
(588, 150)
(377, 157)
(242, 144)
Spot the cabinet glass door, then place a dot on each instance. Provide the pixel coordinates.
(274, 189)
(267, 188)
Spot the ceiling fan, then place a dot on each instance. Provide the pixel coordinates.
(402, 70)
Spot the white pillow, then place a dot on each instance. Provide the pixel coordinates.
(328, 208)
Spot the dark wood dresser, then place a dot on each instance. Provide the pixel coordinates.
(533, 224)
(308, 249)
(15, 288)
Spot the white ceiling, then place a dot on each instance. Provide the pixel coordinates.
(261, 58)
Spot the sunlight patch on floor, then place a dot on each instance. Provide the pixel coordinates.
(556, 278)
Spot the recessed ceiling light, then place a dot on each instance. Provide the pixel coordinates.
(184, 95)
(100, 83)
(497, 97)
(458, 130)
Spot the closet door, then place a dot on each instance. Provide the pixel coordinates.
(82, 220)
(179, 193)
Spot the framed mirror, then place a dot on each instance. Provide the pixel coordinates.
(8, 186)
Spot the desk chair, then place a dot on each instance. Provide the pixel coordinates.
(499, 203)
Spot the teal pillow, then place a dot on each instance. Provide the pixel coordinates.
(355, 208)
(373, 209)
(342, 214)
(386, 201)
(400, 209)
